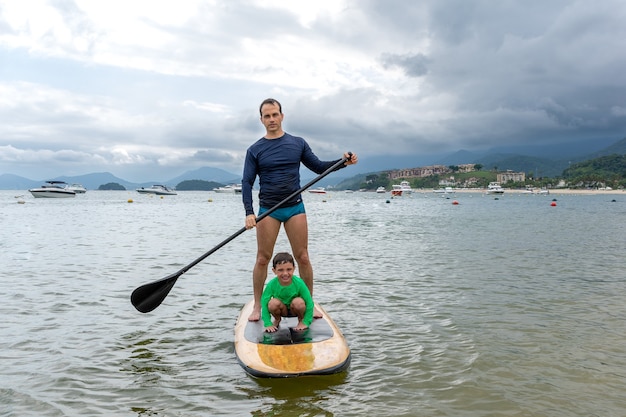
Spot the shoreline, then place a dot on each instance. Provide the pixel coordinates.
(555, 191)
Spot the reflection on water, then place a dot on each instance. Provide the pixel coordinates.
(304, 396)
(489, 307)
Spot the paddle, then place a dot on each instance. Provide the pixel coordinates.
(149, 296)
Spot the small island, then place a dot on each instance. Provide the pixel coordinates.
(112, 186)
(197, 185)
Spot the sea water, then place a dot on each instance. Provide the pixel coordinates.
(510, 305)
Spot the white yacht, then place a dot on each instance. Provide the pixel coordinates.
(157, 189)
(232, 188)
(495, 188)
(77, 188)
(53, 189)
(402, 188)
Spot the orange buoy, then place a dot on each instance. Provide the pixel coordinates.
(455, 202)
(553, 204)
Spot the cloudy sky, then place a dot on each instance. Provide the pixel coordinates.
(149, 89)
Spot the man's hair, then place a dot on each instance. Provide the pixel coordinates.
(282, 258)
(270, 101)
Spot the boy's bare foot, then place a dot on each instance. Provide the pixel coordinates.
(317, 314)
(255, 315)
(301, 326)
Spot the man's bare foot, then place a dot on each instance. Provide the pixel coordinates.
(255, 315)
(317, 314)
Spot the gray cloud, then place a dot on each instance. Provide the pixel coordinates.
(378, 78)
(413, 65)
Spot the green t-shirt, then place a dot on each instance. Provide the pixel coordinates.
(286, 293)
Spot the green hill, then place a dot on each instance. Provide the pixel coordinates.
(197, 185)
(606, 170)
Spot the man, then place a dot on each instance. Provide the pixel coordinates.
(275, 159)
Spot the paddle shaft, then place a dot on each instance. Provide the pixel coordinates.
(262, 216)
(149, 296)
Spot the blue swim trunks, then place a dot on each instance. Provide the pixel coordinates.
(285, 213)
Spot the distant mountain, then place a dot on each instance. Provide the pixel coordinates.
(618, 148)
(208, 174)
(540, 167)
(544, 161)
(15, 182)
(95, 180)
(375, 163)
(459, 158)
(556, 151)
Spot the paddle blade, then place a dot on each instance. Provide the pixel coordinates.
(149, 296)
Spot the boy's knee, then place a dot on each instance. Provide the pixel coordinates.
(298, 304)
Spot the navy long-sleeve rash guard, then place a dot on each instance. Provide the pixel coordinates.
(277, 164)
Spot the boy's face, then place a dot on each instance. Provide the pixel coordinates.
(284, 272)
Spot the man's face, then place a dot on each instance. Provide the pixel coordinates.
(271, 117)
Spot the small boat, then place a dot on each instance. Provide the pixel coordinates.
(381, 190)
(53, 189)
(400, 189)
(318, 190)
(495, 188)
(447, 190)
(77, 188)
(157, 189)
(232, 188)
(319, 350)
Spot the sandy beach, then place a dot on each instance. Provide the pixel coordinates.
(556, 191)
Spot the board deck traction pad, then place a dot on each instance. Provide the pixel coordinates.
(318, 330)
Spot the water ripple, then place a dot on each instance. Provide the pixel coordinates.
(505, 307)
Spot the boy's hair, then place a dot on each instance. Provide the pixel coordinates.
(282, 258)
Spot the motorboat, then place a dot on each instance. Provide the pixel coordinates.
(157, 189)
(400, 189)
(318, 190)
(495, 188)
(232, 188)
(77, 188)
(53, 189)
(381, 190)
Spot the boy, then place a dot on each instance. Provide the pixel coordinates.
(286, 295)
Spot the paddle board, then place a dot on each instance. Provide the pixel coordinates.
(319, 350)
